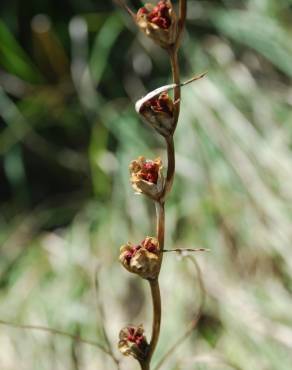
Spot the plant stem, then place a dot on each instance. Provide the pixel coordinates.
(145, 365)
(154, 286)
(160, 210)
(182, 20)
(176, 79)
(156, 299)
(160, 216)
(170, 165)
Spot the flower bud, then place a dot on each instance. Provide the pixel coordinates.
(159, 22)
(146, 176)
(142, 259)
(132, 342)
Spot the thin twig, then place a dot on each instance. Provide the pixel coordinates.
(56, 332)
(195, 320)
(183, 250)
(194, 78)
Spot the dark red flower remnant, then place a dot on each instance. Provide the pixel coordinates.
(135, 336)
(159, 15)
(149, 171)
(133, 342)
(159, 113)
(146, 176)
(158, 22)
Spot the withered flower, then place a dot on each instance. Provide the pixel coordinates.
(158, 111)
(159, 22)
(132, 342)
(142, 259)
(146, 176)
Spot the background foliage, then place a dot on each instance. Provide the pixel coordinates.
(69, 74)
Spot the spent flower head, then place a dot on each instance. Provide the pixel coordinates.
(158, 111)
(142, 259)
(146, 176)
(159, 22)
(132, 342)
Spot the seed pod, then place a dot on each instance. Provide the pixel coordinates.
(142, 259)
(159, 22)
(146, 177)
(159, 113)
(158, 109)
(132, 342)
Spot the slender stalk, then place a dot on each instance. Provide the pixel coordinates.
(170, 165)
(159, 203)
(145, 366)
(160, 211)
(154, 286)
(160, 227)
(186, 250)
(156, 299)
(176, 79)
(182, 20)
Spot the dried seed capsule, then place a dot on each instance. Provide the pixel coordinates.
(132, 342)
(146, 176)
(159, 22)
(142, 259)
(158, 109)
(159, 113)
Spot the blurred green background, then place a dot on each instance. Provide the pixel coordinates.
(70, 72)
